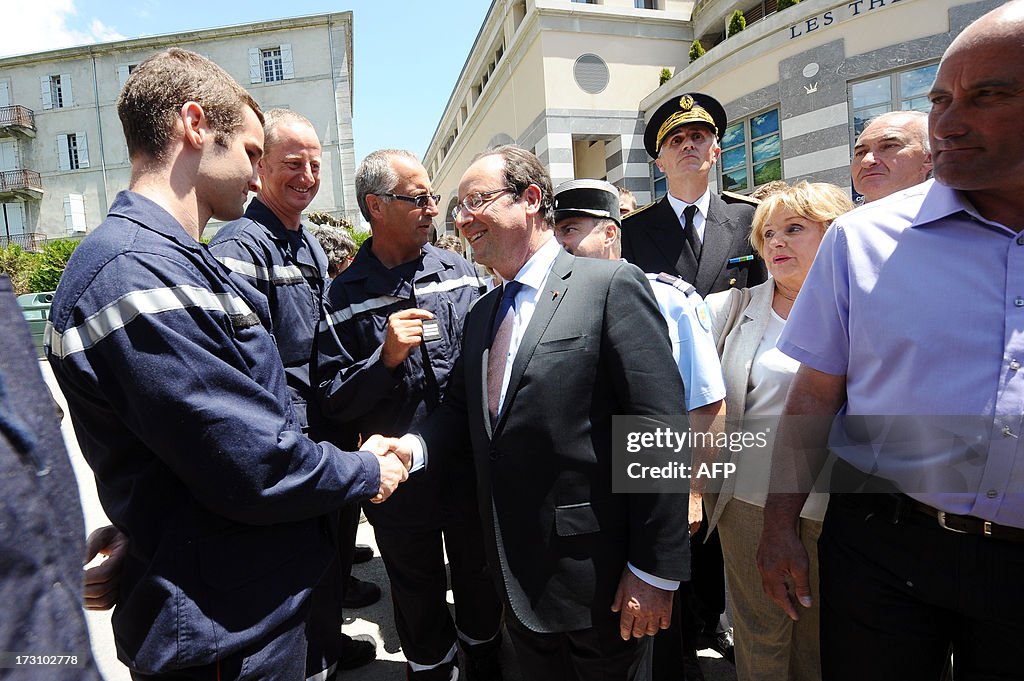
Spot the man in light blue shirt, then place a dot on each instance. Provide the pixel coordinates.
(913, 315)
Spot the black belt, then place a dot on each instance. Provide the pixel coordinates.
(965, 524)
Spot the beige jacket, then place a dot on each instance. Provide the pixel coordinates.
(741, 339)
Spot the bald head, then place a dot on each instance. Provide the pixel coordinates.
(977, 109)
(1004, 23)
(891, 154)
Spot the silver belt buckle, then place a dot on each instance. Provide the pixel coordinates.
(943, 525)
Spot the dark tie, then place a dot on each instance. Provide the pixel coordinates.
(501, 339)
(690, 232)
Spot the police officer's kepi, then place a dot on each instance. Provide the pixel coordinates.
(594, 198)
(693, 107)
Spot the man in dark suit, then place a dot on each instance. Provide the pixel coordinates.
(708, 249)
(703, 238)
(575, 341)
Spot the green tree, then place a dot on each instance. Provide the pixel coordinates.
(737, 22)
(696, 51)
(783, 4)
(17, 263)
(320, 217)
(664, 77)
(50, 265)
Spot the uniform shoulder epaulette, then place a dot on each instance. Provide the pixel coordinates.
(732, 197)
(676, 282)
(639, 210)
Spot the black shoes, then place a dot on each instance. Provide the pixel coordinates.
(362, 554)
(719, 641)
(356, 651)
(359, 594)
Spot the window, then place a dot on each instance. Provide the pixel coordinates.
(12, 215)
(72, 151)
(123, 71)
(659, 183)
(586, 2)
(901, 91)
(751, 152)
(760, 10)
(644, 4)
(74, 213)
(273, 70)
(56, 91)
(271, 64)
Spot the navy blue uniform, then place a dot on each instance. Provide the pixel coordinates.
(180, 403)
(42, 533)
(290, 269)
(358, 392)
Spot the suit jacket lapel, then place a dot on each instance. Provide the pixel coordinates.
(716, 247)
(550, 298)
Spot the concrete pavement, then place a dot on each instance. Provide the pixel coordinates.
(376, 620)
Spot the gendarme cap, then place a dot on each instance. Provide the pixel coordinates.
(595, 198)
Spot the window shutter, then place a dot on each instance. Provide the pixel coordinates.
(255, 65)
(44, 90)
(15, 217)
(287, 66)
(63, 158)
(65, 89)
(83, 149)
(122, 73)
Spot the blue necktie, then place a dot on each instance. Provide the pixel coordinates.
(501, 339)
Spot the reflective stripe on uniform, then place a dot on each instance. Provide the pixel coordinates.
(118, 314)
(276, 274)
(347, 313)
(447, 285)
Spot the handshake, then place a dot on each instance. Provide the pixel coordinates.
(395, 459)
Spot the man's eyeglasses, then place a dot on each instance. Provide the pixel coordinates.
(421, 201)
(475, 201)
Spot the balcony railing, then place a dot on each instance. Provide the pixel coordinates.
(21, 181)
(30, 241)
(18, 117)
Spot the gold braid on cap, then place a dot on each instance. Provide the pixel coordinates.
(695, 115)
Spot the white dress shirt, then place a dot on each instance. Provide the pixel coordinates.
(699, 218)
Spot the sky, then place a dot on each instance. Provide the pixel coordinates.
(408, 53)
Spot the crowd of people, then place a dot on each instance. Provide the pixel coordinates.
(241, 403)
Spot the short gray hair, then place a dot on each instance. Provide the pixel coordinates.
(376, 176)
(337, 243)
(274, 118)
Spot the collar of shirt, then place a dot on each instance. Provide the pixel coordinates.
(533, 276)
(703, 204)
(150, 215)
(942, 202)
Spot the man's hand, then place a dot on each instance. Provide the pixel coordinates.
(644, 608)
(405, 332)
(381, 446)
(783, 563)
(695, 514)
(103, 581)
(392, 474)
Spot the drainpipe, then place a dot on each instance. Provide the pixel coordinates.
(99, 125)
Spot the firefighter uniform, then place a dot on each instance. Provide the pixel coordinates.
(357, 390)
(179, 399)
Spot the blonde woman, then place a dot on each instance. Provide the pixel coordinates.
(787, 229)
